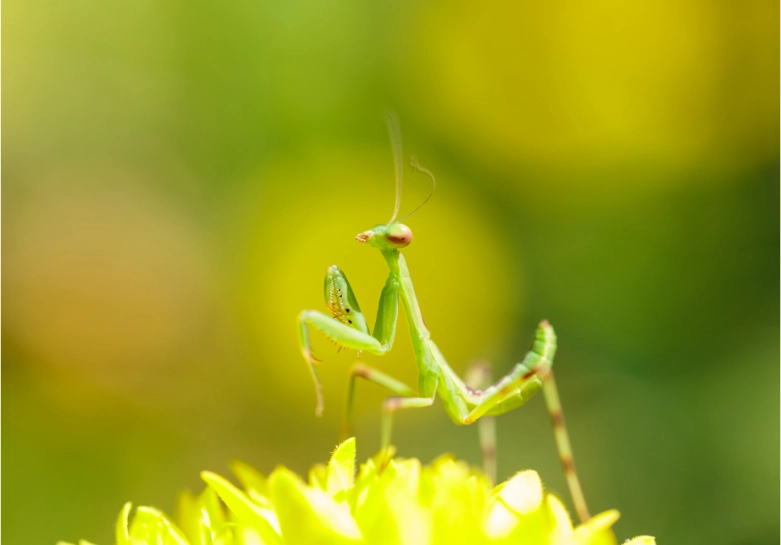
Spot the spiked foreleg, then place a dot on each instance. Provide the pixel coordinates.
(347, 328)
(336, 331)
(340, 333)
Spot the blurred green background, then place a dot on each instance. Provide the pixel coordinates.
(178, 176)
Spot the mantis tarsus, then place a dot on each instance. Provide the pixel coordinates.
(347, 327)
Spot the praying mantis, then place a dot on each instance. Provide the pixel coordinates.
(346, 326)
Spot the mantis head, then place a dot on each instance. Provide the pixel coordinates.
(387, 237)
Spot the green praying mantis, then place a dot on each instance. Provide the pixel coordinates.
(346, 326)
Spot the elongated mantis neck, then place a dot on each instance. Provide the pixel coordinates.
(392, 259)
(398, 269)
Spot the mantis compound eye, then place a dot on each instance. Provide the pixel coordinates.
(399, 235)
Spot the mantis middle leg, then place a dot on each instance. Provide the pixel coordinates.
(372, 375)
(390, 406)
(404, 399)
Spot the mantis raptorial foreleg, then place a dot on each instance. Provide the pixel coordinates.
(347, 327)
(337, 332)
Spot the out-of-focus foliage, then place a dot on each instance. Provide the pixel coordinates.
(389, 502)
(178, 176)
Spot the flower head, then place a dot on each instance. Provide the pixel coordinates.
(403, 504)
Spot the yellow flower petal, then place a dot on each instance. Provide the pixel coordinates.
(519, 496)
(403, 503)
(641, 540)
(597, 531)
(562, 532)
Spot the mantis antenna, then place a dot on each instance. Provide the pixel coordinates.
(413, 161)
(395, 136)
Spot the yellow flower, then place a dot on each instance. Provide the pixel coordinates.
(403, 504)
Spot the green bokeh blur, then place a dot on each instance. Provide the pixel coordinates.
(178, 176)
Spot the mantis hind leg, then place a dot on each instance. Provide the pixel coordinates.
(478, 376)
(517, 387)
(551, 395)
